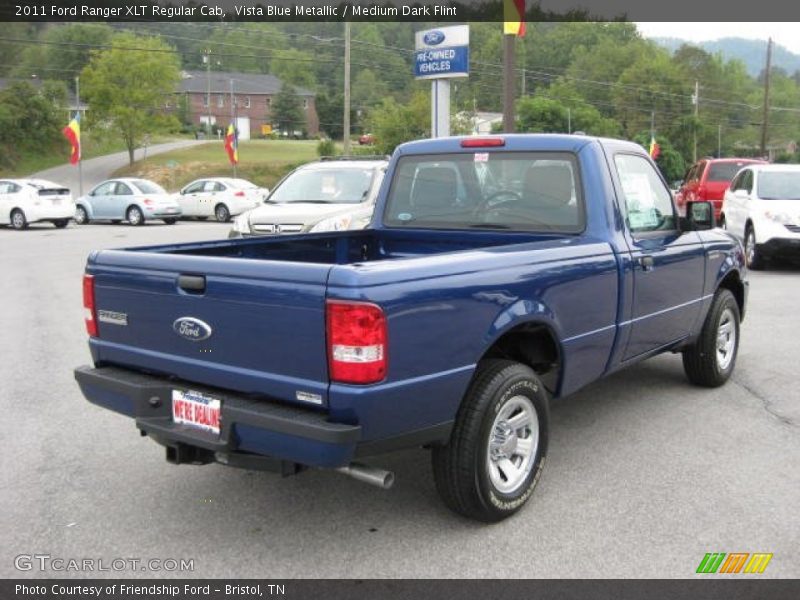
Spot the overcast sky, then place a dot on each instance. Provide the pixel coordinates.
(785, 34)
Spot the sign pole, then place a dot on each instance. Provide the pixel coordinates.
(440, 108)
(80, 141)
(508, 83)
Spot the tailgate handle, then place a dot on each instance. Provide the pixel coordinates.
(194, 284)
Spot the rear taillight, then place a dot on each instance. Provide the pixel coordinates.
(483, 142)
(147, 202)
(356, 342)
(239, 194)
(88, 305)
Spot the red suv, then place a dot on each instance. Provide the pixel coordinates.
(708, 179)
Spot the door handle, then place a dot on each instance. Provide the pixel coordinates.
(193, 284)
(647, 263)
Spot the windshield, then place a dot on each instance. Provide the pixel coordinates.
(779, 185)
(328, 186)
(523, 191)
(724, 171)
(148, 187)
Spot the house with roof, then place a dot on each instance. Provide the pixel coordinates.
(208, 95)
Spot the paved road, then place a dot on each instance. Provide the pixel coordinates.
(97, 169)
(645, 473)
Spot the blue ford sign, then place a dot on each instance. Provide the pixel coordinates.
(442, 53)
(433, 38)
(192, 329)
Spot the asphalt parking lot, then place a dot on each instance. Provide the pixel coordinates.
(645, 473)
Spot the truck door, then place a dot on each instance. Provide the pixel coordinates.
(668, 265)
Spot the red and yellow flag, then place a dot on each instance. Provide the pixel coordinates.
(514, 17)
(655, 149)
(232, 145)
(73, 134)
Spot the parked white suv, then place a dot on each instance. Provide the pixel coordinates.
(25, 201)
(762, 208)
(328, 195)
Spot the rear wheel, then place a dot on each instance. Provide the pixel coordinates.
(18, 220)
(754, 259)
(222, 213)
(135, 216)
(61, 223)
(496, 452)
(710, 361)
(81, 216)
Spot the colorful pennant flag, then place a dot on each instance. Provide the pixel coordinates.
(73, 134)
(514, 17)
(655, 149)
(232, 145)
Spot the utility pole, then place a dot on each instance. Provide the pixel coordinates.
(508, 83)
(346, 128)
(652, 124)
(765, 124)
(80, 142)
(696, 99)
(207, 60)
(233, 122)
(522, 86)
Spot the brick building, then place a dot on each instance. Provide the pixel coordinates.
(253, 94)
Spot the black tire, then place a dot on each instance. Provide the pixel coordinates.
(463, 469)
(61, 223)
(18, 220)
(753, 257)
(170, 221)
(81, 216)
(135, 216)
(705, 362)
(222, 213)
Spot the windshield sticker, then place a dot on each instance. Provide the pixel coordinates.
(481, 157)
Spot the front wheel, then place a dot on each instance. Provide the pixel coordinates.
(753, 257)
(135, 216)
(81, 216)
(18, 220)
(710, 361)
(496, 452)
(222, 213)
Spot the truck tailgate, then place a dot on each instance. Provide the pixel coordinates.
(261, 324)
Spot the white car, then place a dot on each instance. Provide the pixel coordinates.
(762, 208)
(219, 197)
(25, 201)
(328, 195)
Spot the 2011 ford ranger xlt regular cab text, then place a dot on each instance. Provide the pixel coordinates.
(498, 274)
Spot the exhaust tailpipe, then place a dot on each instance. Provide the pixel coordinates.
(371, 475)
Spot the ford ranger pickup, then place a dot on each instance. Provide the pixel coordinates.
(498, 274)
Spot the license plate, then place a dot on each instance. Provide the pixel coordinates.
(171, 210)
(56, 201)
(196, 410)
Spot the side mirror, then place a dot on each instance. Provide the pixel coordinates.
(740, 193)
(699, 216)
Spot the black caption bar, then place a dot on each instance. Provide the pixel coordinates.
(390, 589)
(390, 10)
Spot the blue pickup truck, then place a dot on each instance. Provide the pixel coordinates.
(499, 273)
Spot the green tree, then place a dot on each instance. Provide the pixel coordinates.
(287, 111)
(393, 123)
(669, 161)
(31, 120)
(128, 84)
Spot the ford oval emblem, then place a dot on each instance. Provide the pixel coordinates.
(192, 329)
(433, 38)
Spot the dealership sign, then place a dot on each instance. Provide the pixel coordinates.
(442, 53)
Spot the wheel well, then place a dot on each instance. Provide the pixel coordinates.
(733, 282)
(221, 204)
(531, 344)
(130, 206)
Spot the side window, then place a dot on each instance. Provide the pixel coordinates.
(701, 167)
(194, 188)
(4, 187)
(105, 189)
(218, 187)
(747, 181)
(737, 181)
(647, 202)
(210, 186)
(123, 190)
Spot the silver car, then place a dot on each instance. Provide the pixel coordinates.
(328, 195)
(127, 199)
